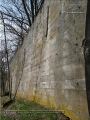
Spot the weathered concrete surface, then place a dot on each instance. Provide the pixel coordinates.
(50, 63)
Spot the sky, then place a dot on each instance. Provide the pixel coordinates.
(1, 27)
(7, 3)
(1, 34)
(2, 2)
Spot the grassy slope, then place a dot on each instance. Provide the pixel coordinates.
(27, 110)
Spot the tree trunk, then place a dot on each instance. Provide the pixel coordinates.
(6, 51)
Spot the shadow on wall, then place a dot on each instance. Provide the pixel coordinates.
(87, 54)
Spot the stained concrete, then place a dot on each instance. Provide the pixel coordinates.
(50, 63)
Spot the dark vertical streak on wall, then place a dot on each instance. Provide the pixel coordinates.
(47, 20)
(87, 54)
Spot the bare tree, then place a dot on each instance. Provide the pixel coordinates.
(6, 51)
(26, 11)
(17, 18)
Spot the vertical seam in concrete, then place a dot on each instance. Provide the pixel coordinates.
(47, 20)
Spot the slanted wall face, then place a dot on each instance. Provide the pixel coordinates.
(53, 73)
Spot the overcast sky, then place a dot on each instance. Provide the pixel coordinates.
(1, 27)
(3, 2)
(1, 34)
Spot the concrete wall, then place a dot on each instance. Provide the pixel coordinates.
(50, 64)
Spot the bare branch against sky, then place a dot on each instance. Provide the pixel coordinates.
(18, 16)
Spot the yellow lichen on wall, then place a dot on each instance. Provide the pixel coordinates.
(49, 102)
(53, 33)
(53, 11)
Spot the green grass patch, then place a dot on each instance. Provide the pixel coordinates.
(28, 110)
